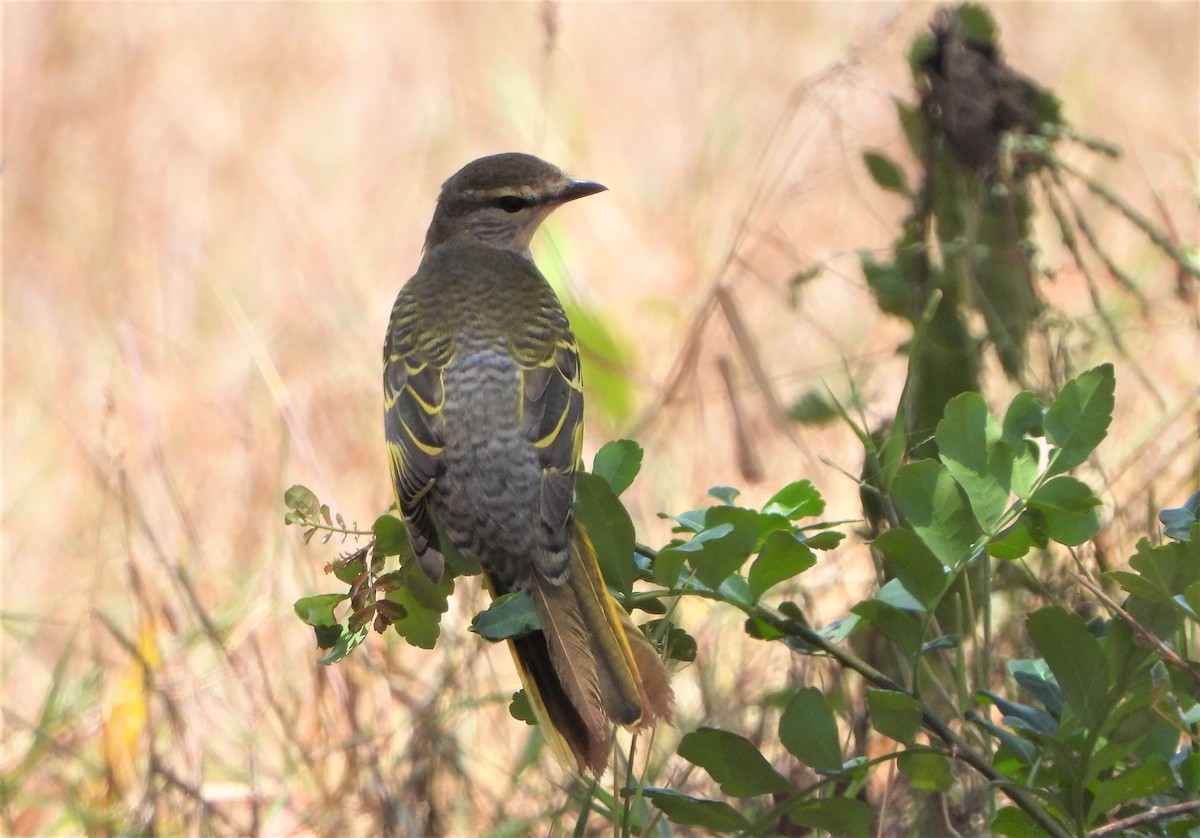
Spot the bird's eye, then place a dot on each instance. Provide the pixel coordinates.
(512, 203)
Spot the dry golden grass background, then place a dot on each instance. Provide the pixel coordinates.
(208, 210)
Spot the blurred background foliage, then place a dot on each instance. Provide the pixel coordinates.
(207, 213)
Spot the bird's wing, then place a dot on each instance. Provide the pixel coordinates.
(413, 399)
(552, 415)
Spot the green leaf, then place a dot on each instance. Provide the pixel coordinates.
(608, 526)
(1079, 418)
(926, 770)
(934, 506)
(1177, 522)
(795, 500)
(721, 556)
(301, 500)
(893, 593)
(895, 714)
(690, 521)
(1017, 539)
(424, 601)
(1068, 509)
(913, 564)
(809, 732)
(685, 810)
(680, 645)
(346, 643)
(886, 173)
(896, 625)
(969, 446)
(827, 540)
(1023, 418)
(510, 615)
(391, 536)
(1150, 778)
(813, 408)
(618, 462)
(1015, 823)
(1022, 716)
(348, 569)
(1036, 677)
(318, 610)
(732, 761)
(977, 22)
(844, 817)
(521, 710)
(725, 494)
(1076, 659)
(782, 557)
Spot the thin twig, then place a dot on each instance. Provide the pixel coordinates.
(1141, 631)
(1156, 813)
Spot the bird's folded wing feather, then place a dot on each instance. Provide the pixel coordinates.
(413, 400)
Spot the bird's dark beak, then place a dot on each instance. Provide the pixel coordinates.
(580, 189)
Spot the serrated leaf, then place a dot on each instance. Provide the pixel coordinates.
(618, 462)
(1075, 658)
(795, 500)
(521, 710)
(508, 616)
(934, 506)
(607, 524)
(886, 173)
(685, 810)
(1078, 419)
(1068, 509)
(732, 761)
(969, 446)
(425, 602)
(896, 715)
(809, 731)
(782, 557)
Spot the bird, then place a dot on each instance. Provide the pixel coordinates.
(483, 418)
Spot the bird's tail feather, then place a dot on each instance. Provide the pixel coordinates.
(589, 667)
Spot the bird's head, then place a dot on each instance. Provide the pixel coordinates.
(501, 200)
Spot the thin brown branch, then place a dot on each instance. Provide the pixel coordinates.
(1141, 631)
(1157, 813)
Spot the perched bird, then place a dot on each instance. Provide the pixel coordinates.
(483, 413)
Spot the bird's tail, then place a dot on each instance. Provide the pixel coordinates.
(589, 667)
